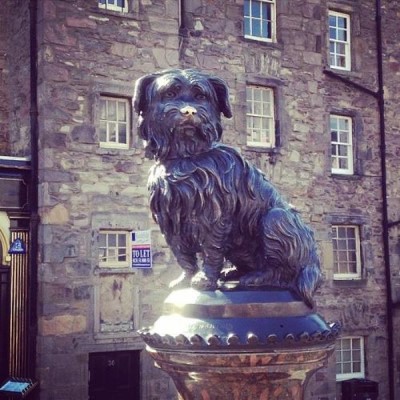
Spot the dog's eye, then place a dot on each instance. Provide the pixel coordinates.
(169, 94)
(200, 96)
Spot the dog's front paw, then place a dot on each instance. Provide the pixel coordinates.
(202, 282)
(183, 281)
(258, 278)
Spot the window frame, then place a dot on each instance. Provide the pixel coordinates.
(357, 252)
(108, 143)
(346, 43)
(350, 146)
(251, 116)
(114, 263)
(339, 350)
(250, 18)
(113, 7)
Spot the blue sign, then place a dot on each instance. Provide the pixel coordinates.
(17, 247)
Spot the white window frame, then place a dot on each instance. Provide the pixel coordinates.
(250, 20)
(351, 356)
(260, 116)
(346, 251)
(335, 41)
(180, 19)
(112, 5)
(106, 122)
(109, 254)
(341, 127)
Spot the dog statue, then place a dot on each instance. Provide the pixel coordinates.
(212, 206)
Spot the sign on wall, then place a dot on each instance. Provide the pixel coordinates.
(141, 249)
(17, 247)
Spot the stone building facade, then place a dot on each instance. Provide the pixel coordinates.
(85, 306)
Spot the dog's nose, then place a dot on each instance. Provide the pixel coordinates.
(188, 110)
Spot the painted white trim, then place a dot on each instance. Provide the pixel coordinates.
(350, 158)
(116, 263)
(117, 145)
(11, 158)
(114, 7)
(350, 276)
(273, 23)
(270, 141)
(351, 375)
(347, 44)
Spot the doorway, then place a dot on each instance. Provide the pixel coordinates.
(114, 375)
(4, 320)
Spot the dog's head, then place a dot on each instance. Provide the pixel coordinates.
(180, 112)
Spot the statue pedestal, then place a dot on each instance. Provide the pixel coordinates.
(239, 345)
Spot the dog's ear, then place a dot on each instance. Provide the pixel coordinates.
(140, 96)
(222, 91)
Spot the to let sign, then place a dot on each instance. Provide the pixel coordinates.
(141, 249)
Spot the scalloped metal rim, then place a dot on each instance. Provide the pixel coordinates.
(213, 342)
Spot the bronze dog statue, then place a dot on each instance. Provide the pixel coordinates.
(211, 205)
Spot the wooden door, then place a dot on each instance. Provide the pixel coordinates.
(114, 375)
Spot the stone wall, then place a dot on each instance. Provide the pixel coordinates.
(391, 74)
(85, 52)
(15, 79)
(3, 80)
(301, 166)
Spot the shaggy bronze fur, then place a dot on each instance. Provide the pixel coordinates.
(211, 204)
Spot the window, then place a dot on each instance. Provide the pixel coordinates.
(114, 122)
(339, 41)
(341, 144)
(350, 358)
(259, 19)
(260, 116)
(346, 252)
(113, 249)
(115, 5)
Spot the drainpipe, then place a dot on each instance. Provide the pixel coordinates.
(33, 192)
(385, 222)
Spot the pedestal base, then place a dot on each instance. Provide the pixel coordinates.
(239, 345)
(241, 376)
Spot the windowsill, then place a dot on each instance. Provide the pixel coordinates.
(106, 145)
(259, 39)
(116, 151)
(351, 177)
(113, 270)
(271, 44)
(352, 376)
(261, 149)
(119, 337)
(113, 13)
(117, 10)
(339, 69)
(344, 72)
(351, 282)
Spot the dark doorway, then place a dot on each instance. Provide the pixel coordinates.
(114, 375)
(4, 321)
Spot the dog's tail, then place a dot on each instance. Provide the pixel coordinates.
(308, 281)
